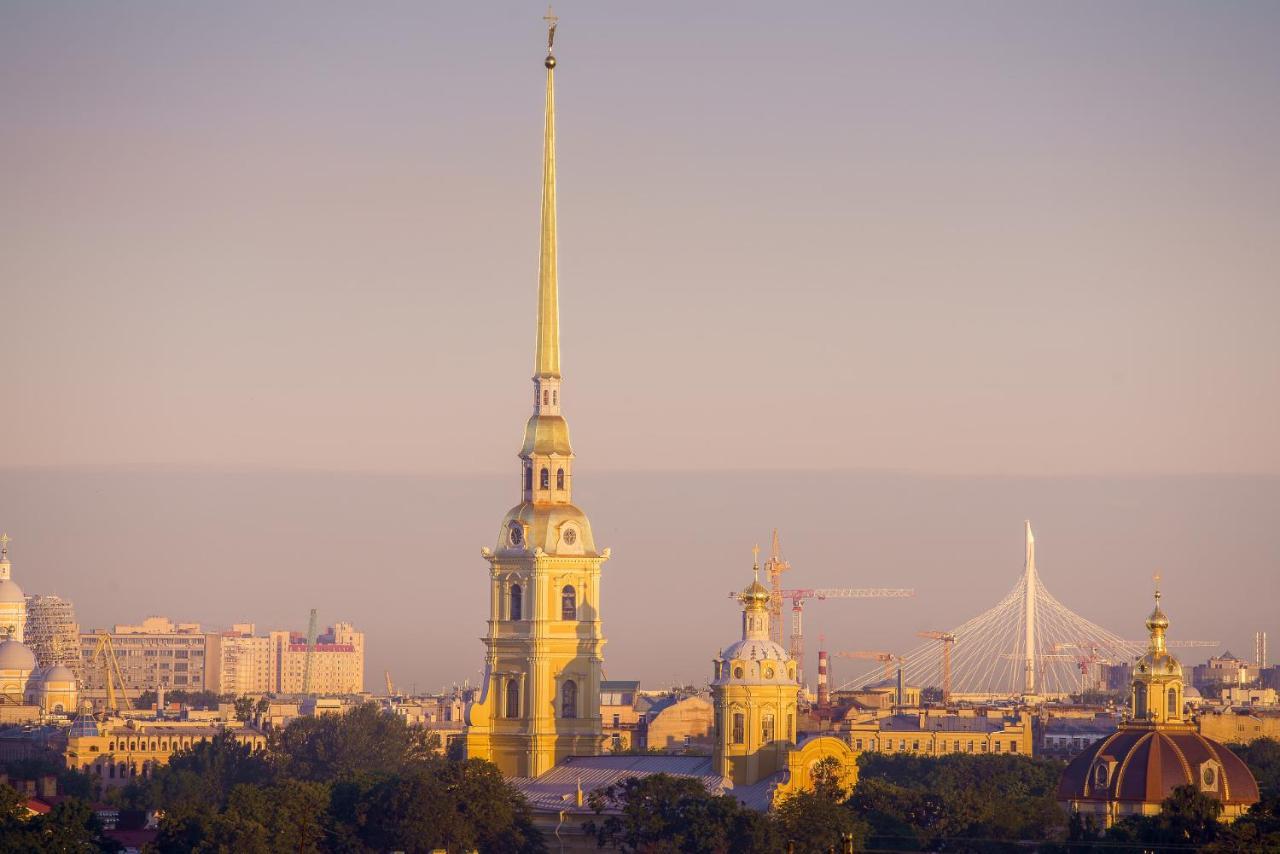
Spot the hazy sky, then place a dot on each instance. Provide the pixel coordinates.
(256, 255)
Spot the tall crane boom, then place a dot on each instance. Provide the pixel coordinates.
(948, 640)
(775, 566)
(311, 653)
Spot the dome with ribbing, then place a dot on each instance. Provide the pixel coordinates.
(1145, 765)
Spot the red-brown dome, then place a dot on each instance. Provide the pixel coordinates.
(1145, 765)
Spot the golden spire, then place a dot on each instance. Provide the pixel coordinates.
(547, 361)
(1157, 623)
(756, 596)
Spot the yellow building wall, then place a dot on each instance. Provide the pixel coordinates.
(123, 753)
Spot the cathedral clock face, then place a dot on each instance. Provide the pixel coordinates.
(516, 534)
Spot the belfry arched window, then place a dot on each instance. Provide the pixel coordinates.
(1140, 700)
(513, 698)
(517, 602)
(544, 479)
(1173, 702)
(568, 603)
(569, 699)
(559, 478)
(528, 477)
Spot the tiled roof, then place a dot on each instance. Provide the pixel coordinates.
(607, 685)
(557, 789)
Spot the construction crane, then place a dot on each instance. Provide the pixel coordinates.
(775, 566)
(391, 691)
(311, 653)
(888, 659)
(104, 654)
(799, 596)
(948, 640)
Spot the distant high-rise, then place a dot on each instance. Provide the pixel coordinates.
(53, 634)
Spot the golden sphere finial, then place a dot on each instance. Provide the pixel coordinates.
(551, 62)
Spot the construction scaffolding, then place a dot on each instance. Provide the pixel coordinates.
(52, 633)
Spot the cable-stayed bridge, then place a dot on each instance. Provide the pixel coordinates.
(1028, 644)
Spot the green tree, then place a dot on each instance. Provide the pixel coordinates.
(912, 801)
(453, 805)
(69, 826)
(201, 777)
(365, 740)
(1263, 758)
(662, 813)
(244, 708)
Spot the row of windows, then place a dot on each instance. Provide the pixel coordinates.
(944, 746)
(568, 699)
(544, 478)
(568, 603)
(1140, 702)
(768, 732)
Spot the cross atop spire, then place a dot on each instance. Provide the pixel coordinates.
(551, 20)
(4, 546)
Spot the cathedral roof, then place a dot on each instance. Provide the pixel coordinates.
(10, 592)
(1145, 764)
(15, 655)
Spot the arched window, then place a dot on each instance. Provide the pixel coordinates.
(528, 477)
(546, 397)
(568, 603)
(111, 772)
(766, 728)
(1173, 702)
(544, 479)
(559, 478)
(513, 698)
(739, 728)
(516, 602)
(569, 699)
(1140, 700)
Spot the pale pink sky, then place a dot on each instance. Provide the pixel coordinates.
(970, 241)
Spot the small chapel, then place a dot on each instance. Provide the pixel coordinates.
(1155, 750)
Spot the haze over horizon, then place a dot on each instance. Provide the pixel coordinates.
(891, 279)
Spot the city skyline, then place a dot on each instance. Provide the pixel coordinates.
(186, 405)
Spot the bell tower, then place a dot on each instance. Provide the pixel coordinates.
(540, 699)
(1157, 695)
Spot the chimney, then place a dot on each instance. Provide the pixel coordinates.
(824, 688)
